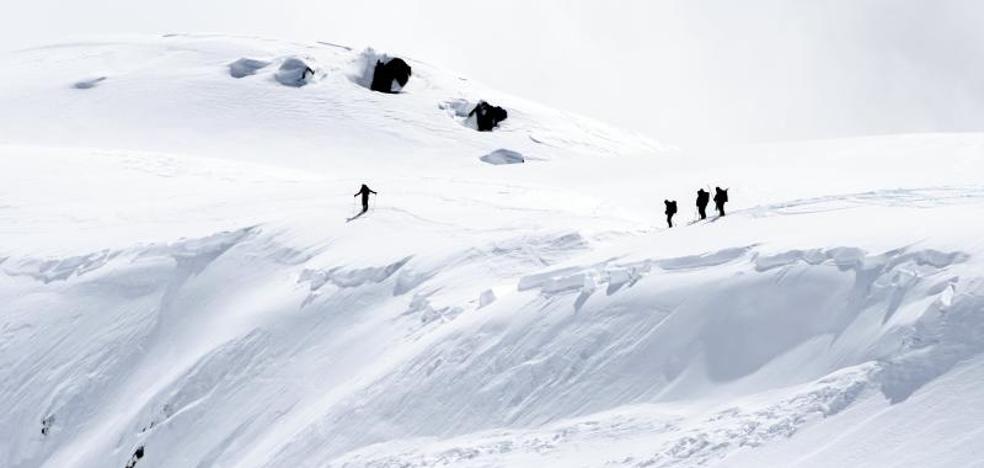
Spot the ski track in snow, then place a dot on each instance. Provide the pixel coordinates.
(177, 275)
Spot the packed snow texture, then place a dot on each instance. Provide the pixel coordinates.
(179, 287)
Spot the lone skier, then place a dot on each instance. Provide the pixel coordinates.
(703, 198)
(720, 198)
(671, 209)
(364, 191)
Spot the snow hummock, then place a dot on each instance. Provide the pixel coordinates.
(177, 279)
(460, 110)
(244, 67)
(89, 83)
(487, 298)
(294, 72)
(503, 156)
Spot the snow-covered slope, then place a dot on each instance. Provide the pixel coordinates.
(177, 273)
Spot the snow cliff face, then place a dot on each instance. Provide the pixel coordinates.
(178, 277)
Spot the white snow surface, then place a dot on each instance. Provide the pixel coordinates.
(181, 270)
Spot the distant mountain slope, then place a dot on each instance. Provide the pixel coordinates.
(179, 94)
(183, 280)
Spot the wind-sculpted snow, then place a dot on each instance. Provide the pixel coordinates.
(661, 337)
(48, 270)
(947, 336)
(550, 365)
(179, 285)
(673, 439)
(573, 356)
(113, 304)
(294, 72)
(503, 156)
(363, 64)
(350, 279)
(244, 67)
(459, 109)
(89, 83)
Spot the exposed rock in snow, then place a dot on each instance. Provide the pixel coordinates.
(390, 76)
(368, 62)
(176, 274)
(461, 110)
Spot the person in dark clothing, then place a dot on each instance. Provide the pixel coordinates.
(671, 209)
(703, 198)
(720, 198)
(364, 191)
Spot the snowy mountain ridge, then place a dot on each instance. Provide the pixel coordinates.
(178, 276)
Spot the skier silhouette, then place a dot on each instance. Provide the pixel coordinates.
(720, 198)
(703, 197)
(671, 209)
(364, 191)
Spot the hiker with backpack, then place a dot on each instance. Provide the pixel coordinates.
(703, 198)
(720, 198)
(671, 209)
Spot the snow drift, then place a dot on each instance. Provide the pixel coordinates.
(244, 67)
(294, 72)
(177, 279)
(89, 83)
(503, 156)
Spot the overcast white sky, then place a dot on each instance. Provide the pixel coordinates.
(682, 71)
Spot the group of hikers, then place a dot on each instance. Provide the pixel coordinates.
(703, 198)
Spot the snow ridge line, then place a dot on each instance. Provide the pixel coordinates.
(195, 252)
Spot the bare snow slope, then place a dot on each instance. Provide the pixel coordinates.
(177, 273)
